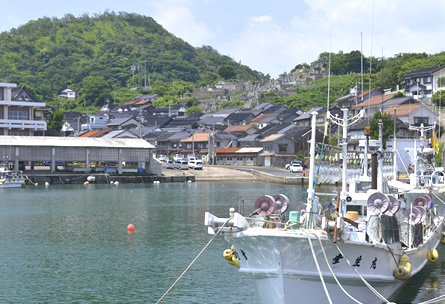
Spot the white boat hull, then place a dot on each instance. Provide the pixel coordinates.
(284, 269)
(12, 182)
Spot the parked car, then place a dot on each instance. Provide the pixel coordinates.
(296, 162)
(168, 164)
(195, 164)
(295, 168)
(181, 164)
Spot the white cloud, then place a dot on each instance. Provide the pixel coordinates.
(176, 16)
(262, 19)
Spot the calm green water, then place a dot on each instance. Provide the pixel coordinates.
(69, 244)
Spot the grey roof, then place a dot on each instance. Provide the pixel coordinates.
(307, 114)
(251, 137)
(239, 116)
(422, 72)
(211, 120)
(399, 101)
(118, 121)
(227, 111)
(180, 135)
(45, 141)
(225, 135)
(118, 133)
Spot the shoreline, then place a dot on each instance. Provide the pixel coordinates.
(168, 175)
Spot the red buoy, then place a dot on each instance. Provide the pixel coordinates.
(130, 228)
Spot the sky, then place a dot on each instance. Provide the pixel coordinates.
(271, 37)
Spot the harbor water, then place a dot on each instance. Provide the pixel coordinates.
(70, 244)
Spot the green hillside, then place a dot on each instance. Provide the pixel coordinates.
(50, 54)
(94, 55)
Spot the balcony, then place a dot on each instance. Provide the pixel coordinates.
(37, 125)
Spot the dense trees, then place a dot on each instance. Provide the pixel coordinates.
(92, 53)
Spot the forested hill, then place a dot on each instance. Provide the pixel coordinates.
(50, 54)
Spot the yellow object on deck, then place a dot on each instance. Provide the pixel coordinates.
(353, 215)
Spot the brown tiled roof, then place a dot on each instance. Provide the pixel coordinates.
(142, 102)
(238, 128)
(360, 95)
(373, 101)
(227, 150)
(130, 103)
(198, 136)
(97, 133)
(402, 110)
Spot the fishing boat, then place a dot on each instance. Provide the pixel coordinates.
(10, 178)
(360, 251)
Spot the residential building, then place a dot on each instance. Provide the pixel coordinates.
(68, 94)
(423, 83)
(17, 117)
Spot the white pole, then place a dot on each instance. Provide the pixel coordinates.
(344, 153)
(380, 161)
(394, 173)
(310, 189)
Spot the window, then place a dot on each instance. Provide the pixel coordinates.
(427, 79)
(267, 148)
(420, 120)
(249, 158)
(282, 148)
(229, 158)
(16, 113)
(239, 158)
(1, 94)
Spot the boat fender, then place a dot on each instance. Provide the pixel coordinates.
(403, 270)
(432, 255)
(230, 257)
(442, 238)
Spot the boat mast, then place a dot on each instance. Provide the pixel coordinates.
(310, 189)
(344, 143)
(394, 166)
(380, 162)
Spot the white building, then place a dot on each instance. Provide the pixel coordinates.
(17, 117)
(68, 94)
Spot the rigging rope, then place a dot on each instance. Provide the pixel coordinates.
(319, 270)
(194, 260)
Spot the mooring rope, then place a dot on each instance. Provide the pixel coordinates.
(332, 272)
(362, 278)
(318, 269)
(194, 260)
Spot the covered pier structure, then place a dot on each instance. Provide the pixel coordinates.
(79, 154)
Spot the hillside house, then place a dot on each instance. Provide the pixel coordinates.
(68, 94)
(17, 117)
(423, 83)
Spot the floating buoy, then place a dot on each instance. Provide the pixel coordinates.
(116, 183)
(91, 179)
(442, 238)
(46, 184)
(36, 184)
(230, 257)
(403, 270)
(111, 182)
(189, 181)
(432, 255)
(130, 228)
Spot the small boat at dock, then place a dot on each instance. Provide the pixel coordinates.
(11, 178)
